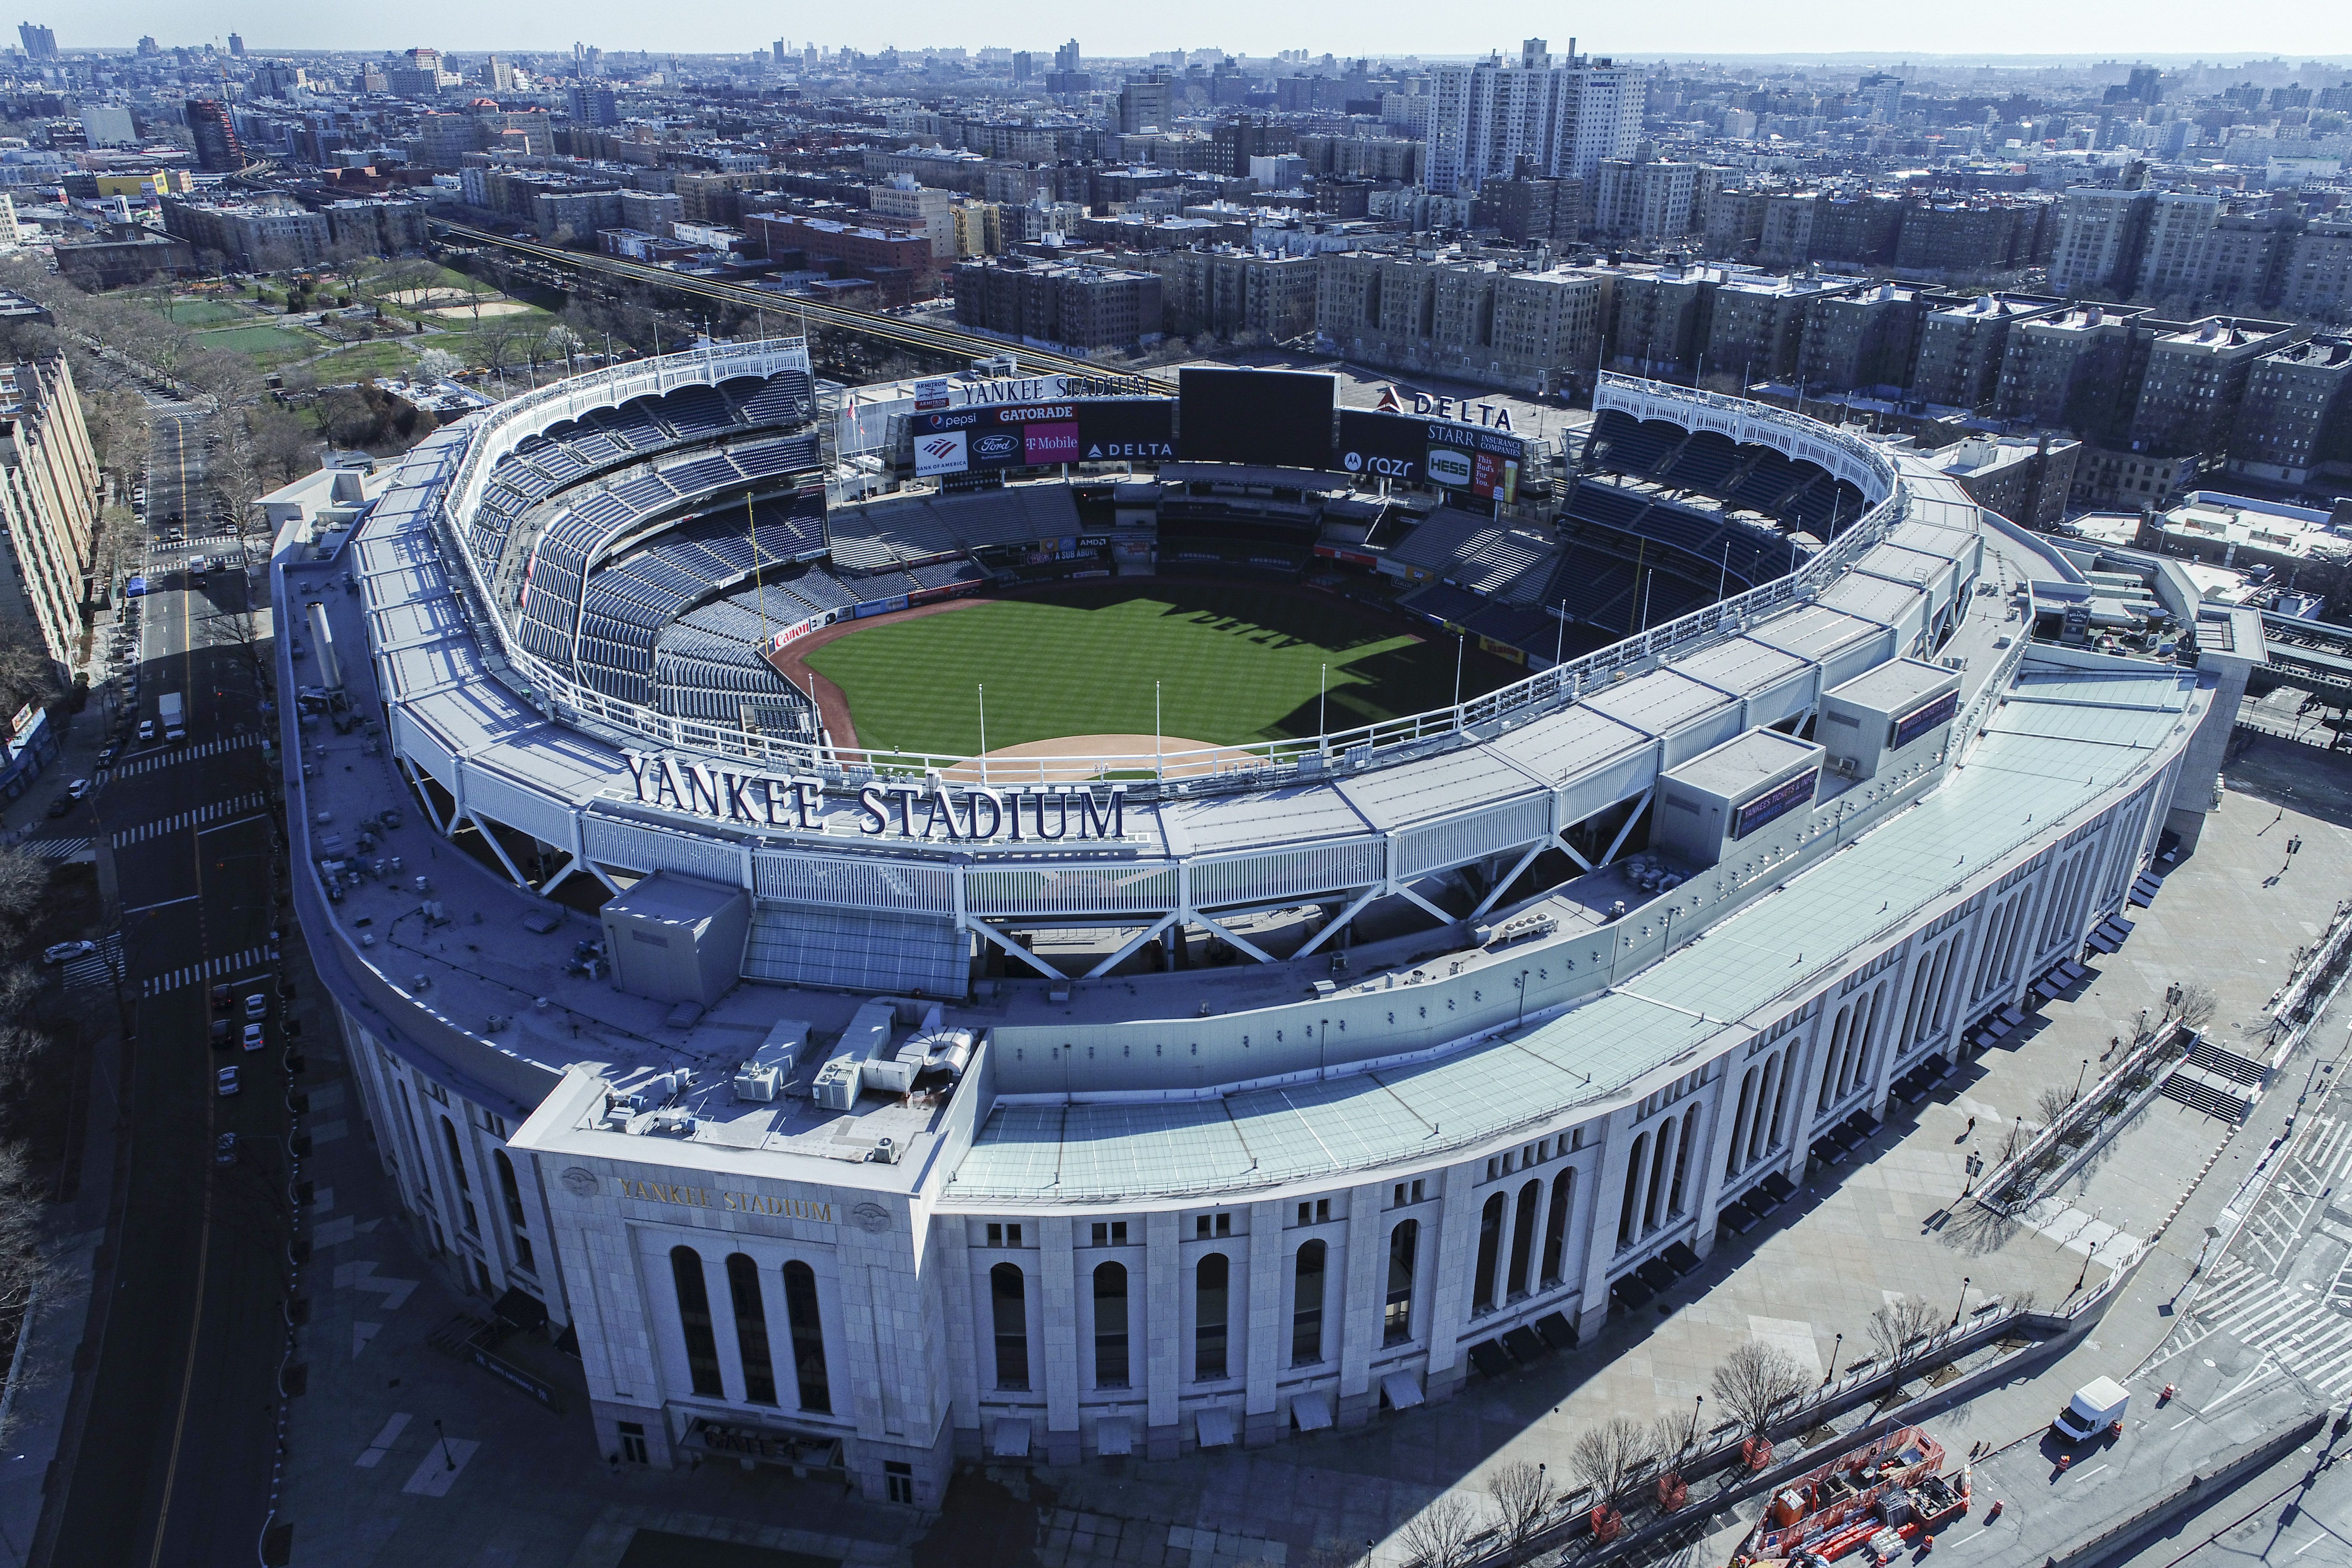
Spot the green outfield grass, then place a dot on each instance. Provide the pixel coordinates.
(1235, 663)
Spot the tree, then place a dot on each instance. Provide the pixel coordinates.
(1898, 1327)
(2197, 1004)
(1755, 1384)
(1523, 1497)
(1439, 1536)
(1606, 1455)
(437, 364)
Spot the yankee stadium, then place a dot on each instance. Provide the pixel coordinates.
(1025, 915)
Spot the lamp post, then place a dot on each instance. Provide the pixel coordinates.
(2081, 1073)
(443, 1438)
(1830, 1376)
(1699, 1400)
(1961, 1302)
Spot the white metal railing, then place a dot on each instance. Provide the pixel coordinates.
(1259, 764)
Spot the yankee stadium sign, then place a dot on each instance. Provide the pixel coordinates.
(925, 809)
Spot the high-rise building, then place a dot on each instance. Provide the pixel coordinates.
(217, 149)
(2102, 236)
(1025, 65)
(49, 503)
(40, 43)
(1883, 95)
(1065, 57)
(593, 106)
(2297, 412)
(1147, 103)
(1494, 120)
(237, 44)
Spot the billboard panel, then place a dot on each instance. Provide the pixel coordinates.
(938, 452)
(1410, 451)
(1273, 418)
(1127, 430)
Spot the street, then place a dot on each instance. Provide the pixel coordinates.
(172, 1460)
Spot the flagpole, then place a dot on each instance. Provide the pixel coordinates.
(1159, 766)
(982, 689)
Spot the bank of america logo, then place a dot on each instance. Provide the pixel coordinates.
(943, 446)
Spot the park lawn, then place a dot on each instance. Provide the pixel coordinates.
(202, 313)
(381, 358)
(1235, 663)
(459, 338)
(268, 345)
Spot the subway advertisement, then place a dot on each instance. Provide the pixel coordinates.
(1040, 435)
(1484, 463)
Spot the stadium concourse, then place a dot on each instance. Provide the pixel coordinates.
(858, 1127)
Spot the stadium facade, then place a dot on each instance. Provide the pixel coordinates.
(818, 1163)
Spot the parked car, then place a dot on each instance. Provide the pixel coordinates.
(253, 1040)
(106, 755)
(2097, 1406)
(79, 789)
(65, 949)
(220, 999)
(146, 731)
(61, 806)
(220, 1034)
(225, 1080)
(256, 1005)
(224, 1146)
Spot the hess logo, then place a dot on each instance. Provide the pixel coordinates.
(996, 447)
(1448, 466)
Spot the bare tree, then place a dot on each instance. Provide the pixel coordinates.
(1606, 1455)
(1756, 1383)
(2055, 1102)
(1898, 1328)
(1439, 1536)
(2197, 1004)
(1523, 1497)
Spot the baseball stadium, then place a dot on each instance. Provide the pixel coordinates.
(1022, 918)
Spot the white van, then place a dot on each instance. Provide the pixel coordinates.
(2097, 1406)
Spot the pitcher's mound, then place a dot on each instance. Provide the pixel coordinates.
(1075, 759)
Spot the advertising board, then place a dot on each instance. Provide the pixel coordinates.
(1483, 462)
(1126, 430)
(1023, 436)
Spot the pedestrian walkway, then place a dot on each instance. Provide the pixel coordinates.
(234, 964)
(165, 759)
(95, 970)
(191, 817)
(57, 848)
(2274, 1317)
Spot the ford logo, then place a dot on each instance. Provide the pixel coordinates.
(996, 447)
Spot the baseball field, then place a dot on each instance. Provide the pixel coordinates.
(1234, 663)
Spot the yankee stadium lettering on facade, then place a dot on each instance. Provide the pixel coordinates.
(928, 810)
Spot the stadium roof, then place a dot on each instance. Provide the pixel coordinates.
(2064, 737)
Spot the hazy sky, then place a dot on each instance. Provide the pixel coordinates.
(2298, 29)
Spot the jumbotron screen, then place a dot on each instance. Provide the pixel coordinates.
(1276, 417)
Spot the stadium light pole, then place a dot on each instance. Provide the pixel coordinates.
(1459, 638)
(1322, 690)
(982, 689)
(1158, 770)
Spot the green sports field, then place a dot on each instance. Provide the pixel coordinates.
(1235, 664)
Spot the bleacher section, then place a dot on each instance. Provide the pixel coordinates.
(1479, 554)
(904, 530)
(1800, 495)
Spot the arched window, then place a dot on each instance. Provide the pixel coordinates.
(516, 1222)
(808, 1337)
(1110, 1325)
(1563, 1186)
(1210, 1277)
(751, 1328)
(1490, 1241)
(694, 1317)
(1523, 1238)
(1396, 1317)
(1633, 1162)
(1307, 1305)
(465, 1182)
(1008, 1305)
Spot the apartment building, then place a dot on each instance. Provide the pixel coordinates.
(2296, 416)
(48, 503)
(1475, 321)
(1495, 119)
(1228, 292)
(1961, 347)
(1059, 304)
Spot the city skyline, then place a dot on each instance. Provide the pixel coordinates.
(2110, 29)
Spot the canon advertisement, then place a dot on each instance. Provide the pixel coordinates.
(1042, 435)
(1483, 462)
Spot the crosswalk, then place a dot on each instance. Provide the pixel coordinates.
(55, 848)
(235, 964)
(2289, 1323)
(194, 816)
(149, 763)
(94, 971)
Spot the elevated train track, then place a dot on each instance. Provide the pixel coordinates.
(898, 330)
